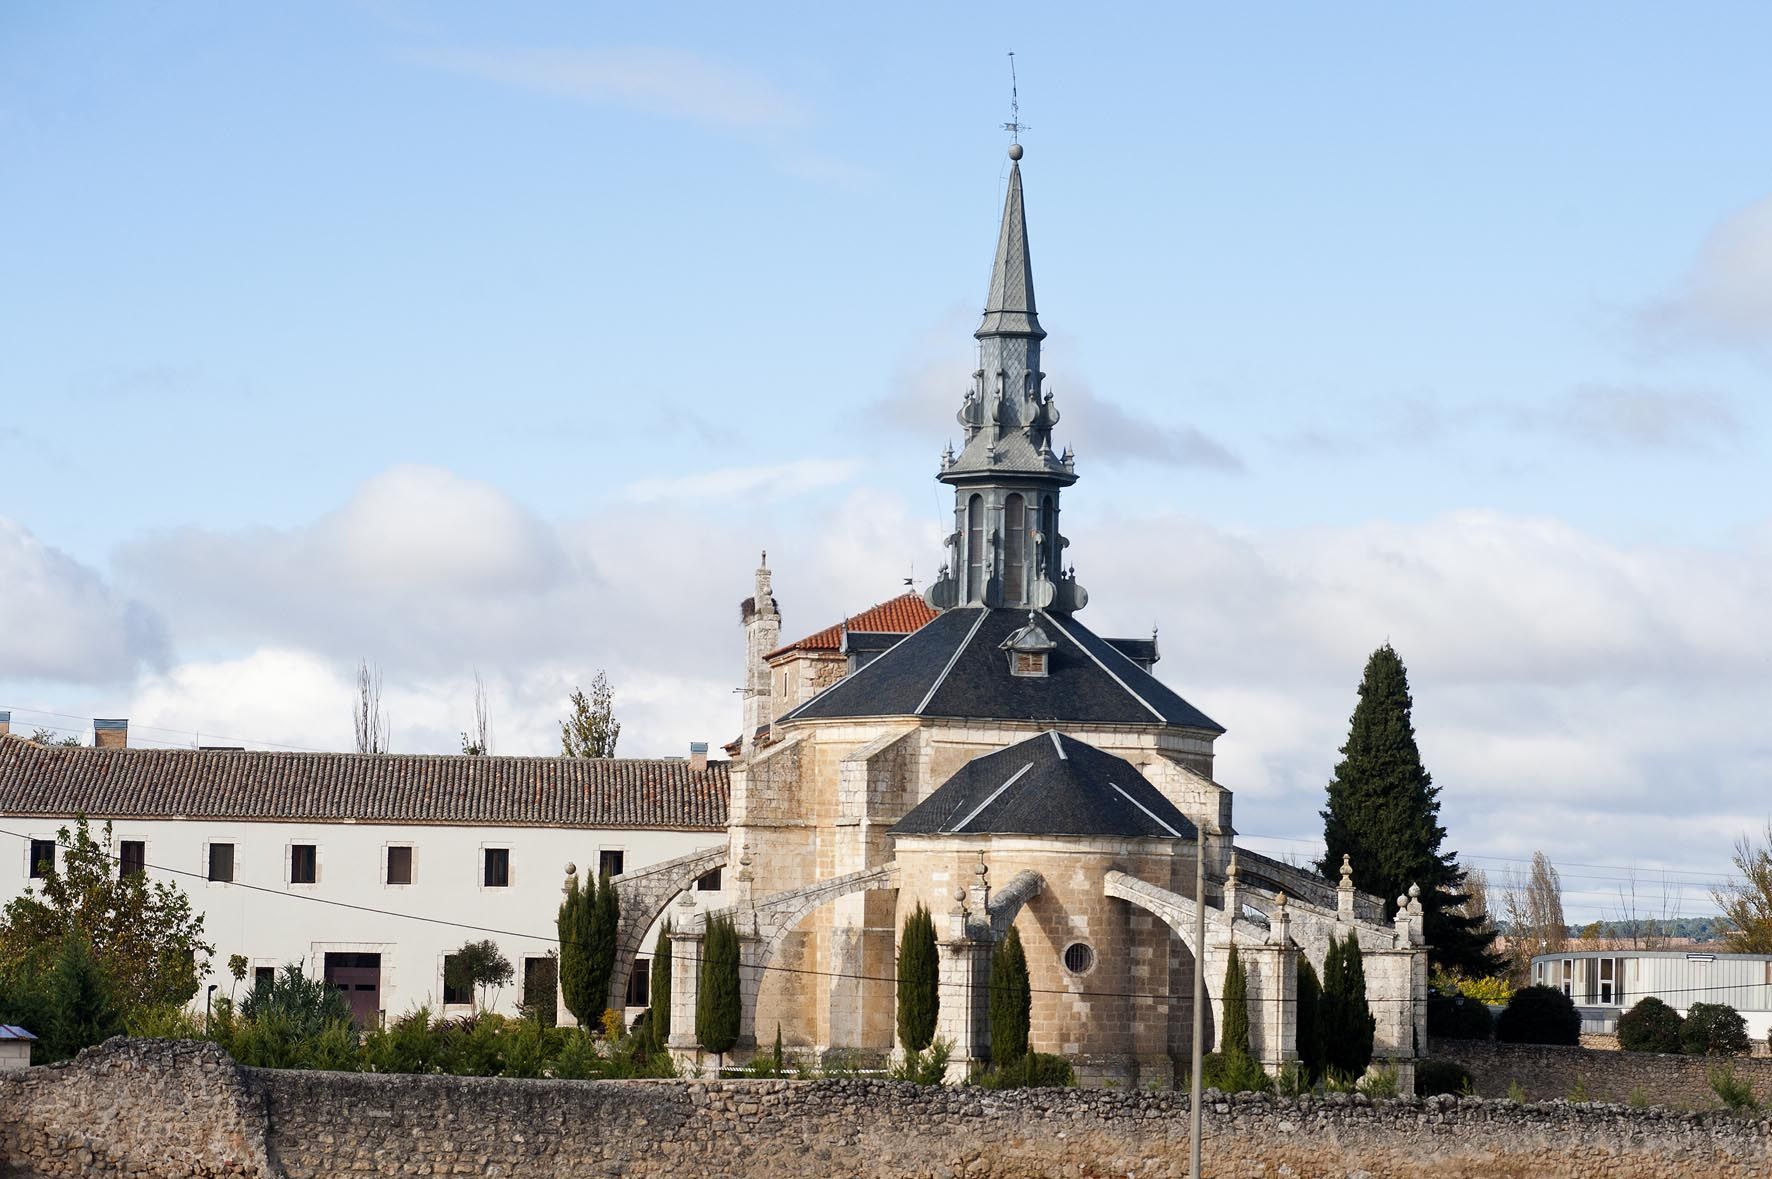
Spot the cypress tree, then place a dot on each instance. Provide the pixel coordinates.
(1309, 1030)
(717, 997)
(1384, 815)
(660, 992)
(574, 926)
(1347, 1022)
(605, 921)
(1235, 1038)
(918, 981)
(82, 1000)
(1011, 1002)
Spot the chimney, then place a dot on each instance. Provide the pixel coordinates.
(110, 734)
(698, 755)
(5, 724)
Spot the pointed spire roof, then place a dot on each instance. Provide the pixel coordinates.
(1009, 307)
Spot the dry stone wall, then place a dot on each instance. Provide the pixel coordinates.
(154, 1108)
(1547, 1072)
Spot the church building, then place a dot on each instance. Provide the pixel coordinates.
(992, 758)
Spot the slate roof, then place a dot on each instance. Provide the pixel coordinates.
(952, 668)
(665, 794)
(899, 616)
(1051, 784)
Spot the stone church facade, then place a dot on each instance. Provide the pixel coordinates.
(996, 761)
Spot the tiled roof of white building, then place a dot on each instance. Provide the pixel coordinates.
(249, 785)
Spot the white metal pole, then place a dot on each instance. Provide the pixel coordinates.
(1195, 1120)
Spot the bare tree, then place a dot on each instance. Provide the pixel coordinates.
(1474, 884)
(371, 724)
(1533, 902)
(1645, 931)
(1747, 903)
(477, 742)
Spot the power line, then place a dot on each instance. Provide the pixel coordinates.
(765, 967)
(195, 733)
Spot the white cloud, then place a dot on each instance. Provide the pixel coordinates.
(773, 481)
(60, 620)
(671, 82)
(1726, 296)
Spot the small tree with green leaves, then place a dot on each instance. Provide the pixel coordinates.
(82, 1003)
(591, 730)
(1309, 1028)
(660, 992)
(144, 934)
(1011, 1002)
(478, 965)
(1347, 1022)
(918, 981)
(717, 999)
(576, 919)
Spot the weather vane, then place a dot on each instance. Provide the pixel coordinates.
(1014, 126)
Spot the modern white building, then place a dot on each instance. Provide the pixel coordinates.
(1606, 983)
(370, 869)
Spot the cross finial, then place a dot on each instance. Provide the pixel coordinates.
(1014, 126)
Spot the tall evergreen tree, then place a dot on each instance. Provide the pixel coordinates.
(1384, 815)
(605, 925)
(1309, 1027)
(83, 1006)
(918, 982)
(660, 992)
(1347, 1022)
(1011, 1002)
(717, 997)
(1234, 1041)
(574, 924)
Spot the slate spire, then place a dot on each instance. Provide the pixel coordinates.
(1005, 549)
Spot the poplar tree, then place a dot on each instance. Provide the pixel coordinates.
(660, 991)
(1384, 813)
(577, 914)
(1347, 1021)
(717, 1000)
(1235, 1038)
(918, 982)
(1309, 1027)
(1011, 1002)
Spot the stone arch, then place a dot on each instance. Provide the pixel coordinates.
(644, 894)
(774, 916)
(1006, 903)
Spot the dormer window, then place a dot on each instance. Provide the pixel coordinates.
(1030, 649)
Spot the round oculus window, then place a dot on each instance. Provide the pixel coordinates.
(1079, 958)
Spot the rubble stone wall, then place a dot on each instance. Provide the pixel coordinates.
(160, 1108)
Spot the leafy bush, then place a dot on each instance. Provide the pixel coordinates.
(1434, 1077)
(1455, 1017)
(1714, 1029)
(404, 1046)
(1035, 1070)
(1491, 989)
(925, 1068)
(1233, 1072)
(1650, 1026)
(1293, 1079)
(1380, 1082)
(1539, 1015)
(1736, 1092)
(304, 1005)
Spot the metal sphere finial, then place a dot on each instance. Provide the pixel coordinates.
(1015, 151)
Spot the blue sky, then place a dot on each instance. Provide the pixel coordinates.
(1368, 321)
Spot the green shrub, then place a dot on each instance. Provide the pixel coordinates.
(80, 999)
(1434, 1077)
(578, 1058)
(1233, 1072)
(335, 1049)
(303, 1005)
(717, 997)
(1736, 1092)
(929, 1067)
(1293, 1079)
(163, 1021)
(406, 1045)
(918, 984)
(1516, 1093)
(1347, 1022)
(1713, 1029)
(1380, 1082)
(1034, 1070)
(1011, 1002)
(1650, 1026)
(1309, 1026)
(1456, 1017)
(1539, 1015)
